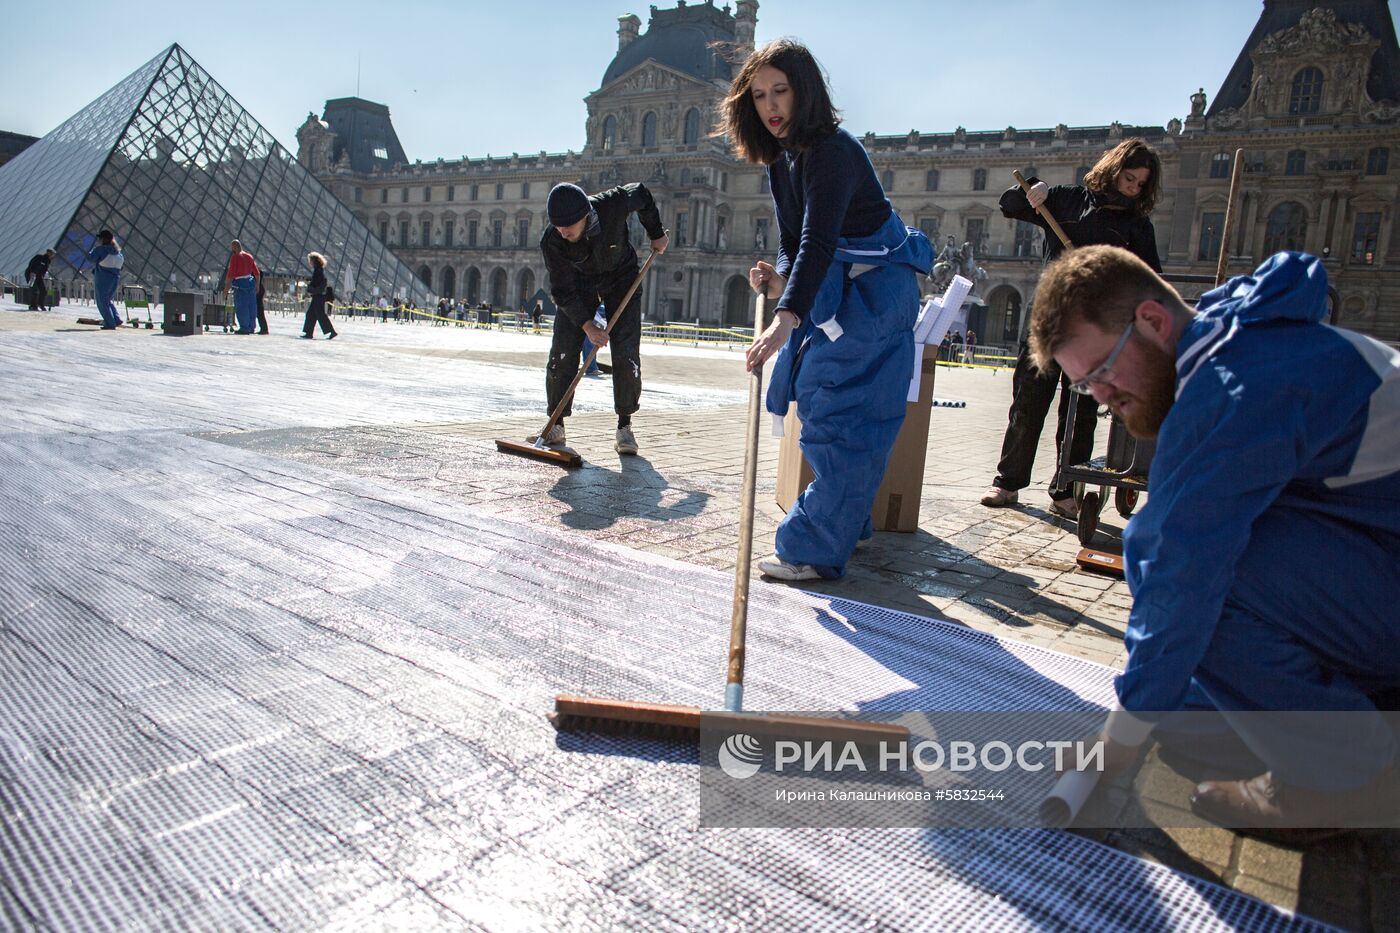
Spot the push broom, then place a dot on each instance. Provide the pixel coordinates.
(538, 449)
(1090, 559)
(667, 721)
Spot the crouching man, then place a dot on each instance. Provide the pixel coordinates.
(1265, 567)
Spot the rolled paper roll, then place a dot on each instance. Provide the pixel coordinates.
(928, 314)
(1066, 798)
(956, 293)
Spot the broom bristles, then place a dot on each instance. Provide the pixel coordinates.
(567, 458)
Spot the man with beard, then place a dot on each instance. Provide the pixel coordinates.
(1264, 566)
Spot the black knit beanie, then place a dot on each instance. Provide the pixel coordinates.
(567, 205)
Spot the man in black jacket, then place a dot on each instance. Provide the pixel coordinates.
(35, 274)
(590, 261)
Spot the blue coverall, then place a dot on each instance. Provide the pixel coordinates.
(849, 362)
(105, 281)
(1265, 567)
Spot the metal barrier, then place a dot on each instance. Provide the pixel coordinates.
(670, 334)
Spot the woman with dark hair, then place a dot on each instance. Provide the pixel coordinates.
(316, 311)
(846, 297)
(1111, 208)
(107, 260)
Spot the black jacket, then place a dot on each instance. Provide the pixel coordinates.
(579, 273)
(38, 267)
(1088, 219)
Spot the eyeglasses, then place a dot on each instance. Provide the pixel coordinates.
(1104, 373)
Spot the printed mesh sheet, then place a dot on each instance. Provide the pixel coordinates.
(240, 693)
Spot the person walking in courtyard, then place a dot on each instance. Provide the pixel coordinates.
(107, 260)
(242, 278)
(262, 310)
(846, 291)
(36, 275)
(1112, 207)
(970, 347)
(319, 290)
(590, 260)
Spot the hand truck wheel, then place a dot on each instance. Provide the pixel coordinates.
(1089, 517)
(1125, 500)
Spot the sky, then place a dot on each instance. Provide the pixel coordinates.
(477, 78)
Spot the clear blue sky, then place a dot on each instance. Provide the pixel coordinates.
(473, 77)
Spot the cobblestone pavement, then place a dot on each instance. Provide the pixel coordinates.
(1010, 571)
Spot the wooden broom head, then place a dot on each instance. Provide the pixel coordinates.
(566, 458)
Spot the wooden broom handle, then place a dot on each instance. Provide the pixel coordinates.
(1229, 219)
(1042, 211)
(739, 617)
(583, 370)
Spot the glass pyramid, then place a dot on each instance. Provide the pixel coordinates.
(176, 168)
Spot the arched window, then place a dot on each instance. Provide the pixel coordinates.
(887, 179)
(931, 180)
(979, 179)
(685, 177)
(1212, 229)
(1296, 163)
(737, 308)
(1365, 236)
(426, 275)
(1220, 165)
(1306, 93)
(692, 127)
(449, 283)
(498, 289)
(524, 287)
(1377, 161)
(763, 185)
(1003, 321)
(1286, 228)
(473, 288)
(649, 129)
(609, 132)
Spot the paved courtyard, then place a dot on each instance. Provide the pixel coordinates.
(120, 419)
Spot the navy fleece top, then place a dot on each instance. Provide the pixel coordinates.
(820, 195)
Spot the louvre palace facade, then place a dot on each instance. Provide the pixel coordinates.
(1313, 99)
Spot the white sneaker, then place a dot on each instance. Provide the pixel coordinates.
(1068, 508)
(995, 497)
(554, 437)
(626, 441)
(779, 569)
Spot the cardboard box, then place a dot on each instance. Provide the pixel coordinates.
(897, 501)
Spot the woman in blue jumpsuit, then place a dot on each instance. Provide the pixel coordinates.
(846, 296)
(106, 258)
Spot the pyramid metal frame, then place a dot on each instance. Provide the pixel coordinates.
(177, 168)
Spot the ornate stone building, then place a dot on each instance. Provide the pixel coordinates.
(1312, 101)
